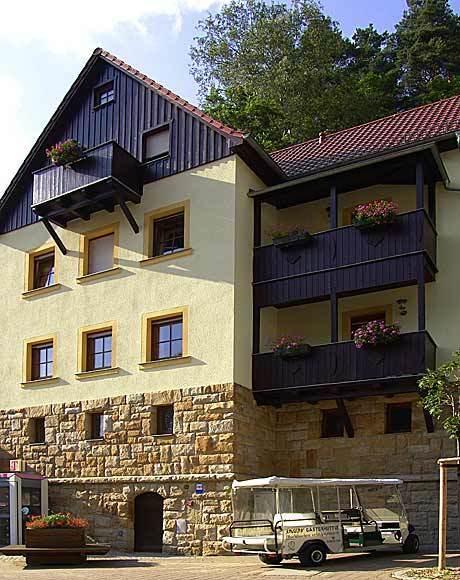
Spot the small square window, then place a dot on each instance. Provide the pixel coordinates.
(398, 418)
(332, 423)
(163, 420)
(100, 253)
(156, 144)
(95, 427)
(37, 430)
(42, 361)
(104, 94)
(43, 266)
(167, 338)
(168, 234)
(99, 350)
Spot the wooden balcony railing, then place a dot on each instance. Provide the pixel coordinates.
(346, 259)
(339, 370)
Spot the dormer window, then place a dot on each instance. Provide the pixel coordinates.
(104, 94)
(156, 143)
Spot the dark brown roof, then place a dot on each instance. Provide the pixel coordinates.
(405, 128)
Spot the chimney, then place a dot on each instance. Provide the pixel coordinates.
(322, 136)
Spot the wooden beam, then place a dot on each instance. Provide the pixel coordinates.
(333, 207)
(257, 222)
(334, 317)
(129, 216)
(348, 425)
(256, 330)
(421, 307)
(442, 546)
(419, 183)
(52, 232)
(432, 201)
(428, 421)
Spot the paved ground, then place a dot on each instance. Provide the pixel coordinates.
(133, 567)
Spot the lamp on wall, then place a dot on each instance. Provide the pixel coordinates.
(402, 306)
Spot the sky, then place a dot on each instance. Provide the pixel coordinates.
(44, 47)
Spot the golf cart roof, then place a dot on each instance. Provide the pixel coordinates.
(279, 482)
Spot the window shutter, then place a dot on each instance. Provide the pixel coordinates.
(100, 254)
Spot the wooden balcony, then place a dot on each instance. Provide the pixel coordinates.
(340, 370)
(106, 176)
(346, 260)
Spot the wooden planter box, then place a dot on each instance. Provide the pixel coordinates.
(292, 241)
(55, 538)
(299, 352)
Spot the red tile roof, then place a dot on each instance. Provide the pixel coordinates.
(172, 97)
(405, 128)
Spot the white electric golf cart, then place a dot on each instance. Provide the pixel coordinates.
(280, 518)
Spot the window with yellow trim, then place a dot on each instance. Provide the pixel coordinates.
(99, 250)
(39, 359)
(167, 231)
(164, 335)
(97, 347)
(41, 269)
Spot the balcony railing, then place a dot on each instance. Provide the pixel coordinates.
(96, 181)
(341, 370)
(346, 259)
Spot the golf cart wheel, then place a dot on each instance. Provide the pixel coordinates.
(412, 544)
(314, 555)
(270, 560)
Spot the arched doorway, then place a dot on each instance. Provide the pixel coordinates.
(148, 522)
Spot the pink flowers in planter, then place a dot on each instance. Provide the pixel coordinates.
(290, 346)
(374, 213)
(64, 152)
(376, 332)
(277, 232)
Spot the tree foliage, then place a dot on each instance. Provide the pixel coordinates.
(286, 72)
(440, 392)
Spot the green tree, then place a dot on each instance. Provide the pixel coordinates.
(440, 392)
(426, 49)
(285, 73)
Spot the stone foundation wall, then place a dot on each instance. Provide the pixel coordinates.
(219, 434)
(301, 452)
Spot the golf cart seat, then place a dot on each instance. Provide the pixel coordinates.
(301, 519)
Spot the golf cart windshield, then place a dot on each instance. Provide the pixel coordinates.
(254, 504)
(382, 503)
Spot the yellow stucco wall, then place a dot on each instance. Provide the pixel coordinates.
(203, 281)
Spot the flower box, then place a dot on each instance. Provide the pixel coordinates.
(292, 240)
(65, 153)
(55, 538)
(301, 351)
(374, 214)
(376, 333)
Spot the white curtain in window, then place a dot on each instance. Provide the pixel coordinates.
(100, 254)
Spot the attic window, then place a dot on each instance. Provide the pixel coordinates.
(156, 143)
(104, 94)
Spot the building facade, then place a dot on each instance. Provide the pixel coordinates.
(143, 293)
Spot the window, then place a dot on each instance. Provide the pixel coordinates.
(167, 232)
(354, 319)
(96, 351)
(100, 254)
(95, 427)
(42, 361)
(398, 418)
(167, 338)
(104, 94)
(99, 251)
(168, 235)
(43, 270)
(99, 350)
(332, 423)
(164, 337)
(37, 430)
(156, 143)
(163, 420)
